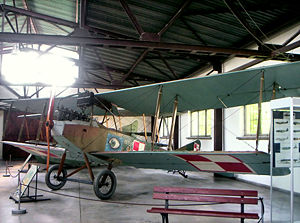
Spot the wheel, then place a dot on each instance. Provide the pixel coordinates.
(51, 177)
(105, 184)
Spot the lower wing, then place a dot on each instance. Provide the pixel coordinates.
(216, 162)
(73, 157)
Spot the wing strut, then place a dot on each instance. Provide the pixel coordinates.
(154, 130)
(259, 109)
(273, 97)
(145, 129)
(173, 123)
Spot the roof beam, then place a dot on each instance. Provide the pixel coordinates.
(76, 85)
(275, 52)
(32, 22)
(96, 66)
(132, 17)
(93, 41)
(159, 70)
(55, 20)
(7, 8)
(174, 17)
(139, 59)
(238, 15)
(82, 13)
(11, 90)
(167, 64)
(193, 31)
(160, 33)
(98, 54)
(291, 38)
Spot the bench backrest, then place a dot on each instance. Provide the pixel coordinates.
(204, 195)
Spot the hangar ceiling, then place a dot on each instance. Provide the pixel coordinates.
(123, 43)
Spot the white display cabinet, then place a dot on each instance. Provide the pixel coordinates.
(285, 149)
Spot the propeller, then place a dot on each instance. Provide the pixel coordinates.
(49, 124)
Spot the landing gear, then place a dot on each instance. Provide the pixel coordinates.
(53, 181)
(105, 184)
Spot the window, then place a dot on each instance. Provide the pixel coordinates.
(166, 124)
(251, 117)
(201, 123)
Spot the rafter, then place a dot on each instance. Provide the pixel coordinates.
(132, 17)
(160, 33)
(159, 70)
(193, 31)
(167, 65)
(236, 11)
(93, 41)
(32, 22)
(133, 66)
(174, 17)
(103, 64)
(55, 20)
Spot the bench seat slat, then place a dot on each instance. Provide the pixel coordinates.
(198, 198)
(204, 213)
(248, 193)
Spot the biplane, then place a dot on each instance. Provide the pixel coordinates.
(83, 143)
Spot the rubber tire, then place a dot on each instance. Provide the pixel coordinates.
(48, 181)
(111, 175)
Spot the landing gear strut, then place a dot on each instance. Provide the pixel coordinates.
(104, 183)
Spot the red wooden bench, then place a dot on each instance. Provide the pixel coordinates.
(206, 196)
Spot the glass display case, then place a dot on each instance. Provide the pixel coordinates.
(285, 149)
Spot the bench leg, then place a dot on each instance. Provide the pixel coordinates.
(165, 218)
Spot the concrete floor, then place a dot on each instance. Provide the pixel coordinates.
(134, 186)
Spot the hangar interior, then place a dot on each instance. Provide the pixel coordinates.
(107, 45)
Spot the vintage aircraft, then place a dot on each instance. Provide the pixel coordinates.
(83, 143)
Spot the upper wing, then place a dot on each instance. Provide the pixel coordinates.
(69, 103)
(222, 162)
(216, 91)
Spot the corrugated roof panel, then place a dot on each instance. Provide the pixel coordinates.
(211, 20)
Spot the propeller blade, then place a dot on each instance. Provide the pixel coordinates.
(49, 124)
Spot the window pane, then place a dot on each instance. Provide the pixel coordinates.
(265, 121)
(202, 123)
(208, 125)
(251, 118)
(194, 123)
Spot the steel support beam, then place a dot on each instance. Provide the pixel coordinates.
(92, 41)
(160, 33)
(236, 13)
(82, 14)
(103, 65)
(276, 52)
(132, 17)
(76, 85)
(174, 17)
(55, 20)
(193, 31)
(32, 23)
(139, 59)
(167, 65)
(157, 69)
(44, 17)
